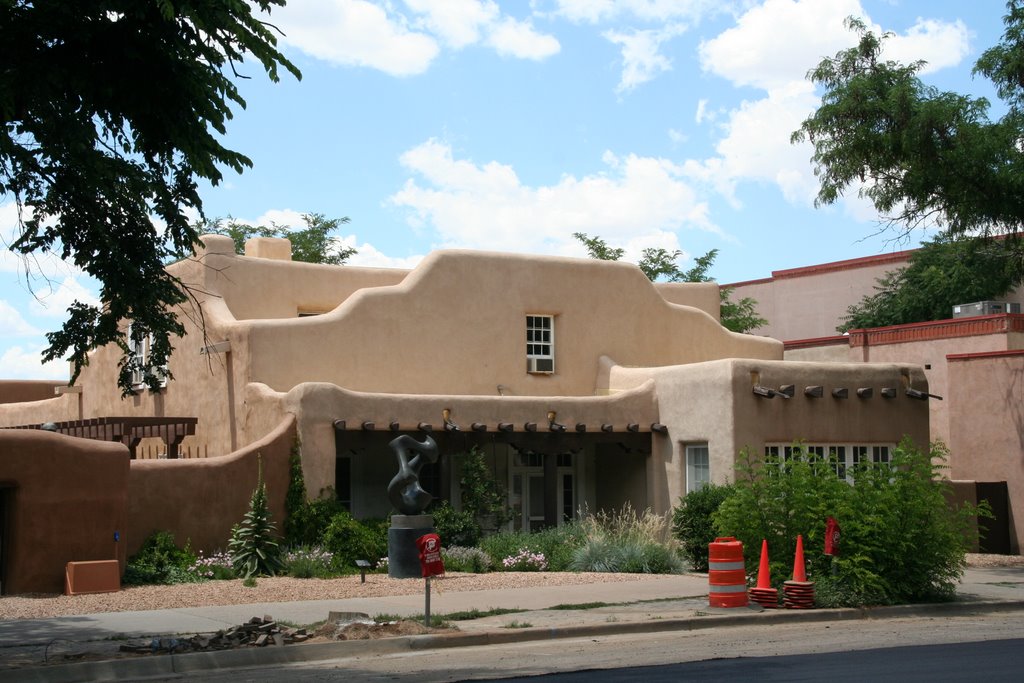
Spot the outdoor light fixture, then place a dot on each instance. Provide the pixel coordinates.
(368, 426)
(449, 426)
(505, 427)
(659, 428)
(552, 425)
(478, 427)
(888, 392)
(815, 391)
(865, 392)
(840, 392)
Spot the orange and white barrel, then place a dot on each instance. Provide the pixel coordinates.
(727, 575)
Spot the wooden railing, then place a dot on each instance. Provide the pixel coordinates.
(128, 430)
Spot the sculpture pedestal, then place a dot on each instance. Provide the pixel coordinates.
(403, 555)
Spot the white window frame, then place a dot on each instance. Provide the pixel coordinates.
(141, 346)
(848, 456)
(540, 344)
(698, 466)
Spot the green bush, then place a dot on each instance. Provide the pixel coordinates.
(160, 561)
(349, 539)
(693, 522)
(309, 563)
(901, 542)
(462, 559)
(555, 544)
(455, 527)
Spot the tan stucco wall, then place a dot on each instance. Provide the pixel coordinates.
(805, 303)
(932, 353)
(713, 403)
(703, 296)
(20, 390)
(200, 499)
(986, 402)
(318, 405)
(456, 325)
(56, 409)
(67, 498)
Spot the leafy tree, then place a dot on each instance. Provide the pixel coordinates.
(112, 113)
(656, 263)
(312, 244)
(944, 272)
(922, 156)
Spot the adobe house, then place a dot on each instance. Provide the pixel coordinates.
(584, 384)
(974, 360)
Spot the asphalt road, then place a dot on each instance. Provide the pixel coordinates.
(990, 661)
(953, 648)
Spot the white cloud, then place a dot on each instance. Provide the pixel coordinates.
(281, 217)
(54, 303)
(597, 11)
(377, 35)
(702, 106)
(17, 362)
(749, 53)
(356, 33)
(12, 324)
(641, 57)
(514, 38)
(755, 143)
(457, 23)
(939, 43)
(487, 206)
(368, 256)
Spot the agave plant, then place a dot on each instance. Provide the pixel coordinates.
(253, 547)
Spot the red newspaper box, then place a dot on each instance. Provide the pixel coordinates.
(831, 536)
(430, 554)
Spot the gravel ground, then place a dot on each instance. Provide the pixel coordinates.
(285, 589)
(279, 589)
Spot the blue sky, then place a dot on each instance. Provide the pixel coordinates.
(510, 125)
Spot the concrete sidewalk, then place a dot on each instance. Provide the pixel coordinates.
(29, 649)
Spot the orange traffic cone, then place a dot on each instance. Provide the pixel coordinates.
(764, 579)
(798, 563)
(764, 594)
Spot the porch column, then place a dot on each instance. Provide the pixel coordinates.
(551, 510)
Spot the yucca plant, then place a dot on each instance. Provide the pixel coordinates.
(253, 547)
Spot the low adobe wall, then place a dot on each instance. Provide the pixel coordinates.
(200, 500)
(66, 498)
(21, 390)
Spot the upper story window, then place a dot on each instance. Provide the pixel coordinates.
(140, 345)
(540, 343)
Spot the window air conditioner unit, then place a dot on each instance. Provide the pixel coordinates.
(985, 308)
(544, 366)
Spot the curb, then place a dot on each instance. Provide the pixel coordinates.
(170, 666)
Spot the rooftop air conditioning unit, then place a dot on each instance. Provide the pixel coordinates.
(985, 308)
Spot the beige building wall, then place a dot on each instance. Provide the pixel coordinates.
(986, 404)
(810, 302)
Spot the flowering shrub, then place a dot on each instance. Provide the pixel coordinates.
(525, 561)
(382, 565)
(306, 563)
(462, 559)
(217, 567)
